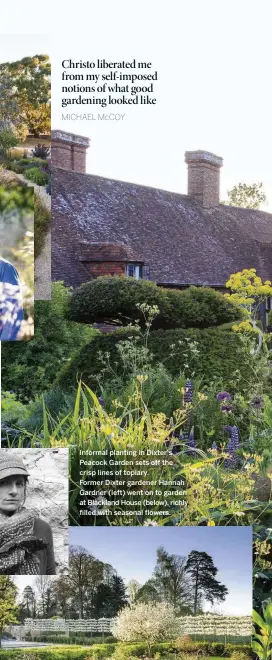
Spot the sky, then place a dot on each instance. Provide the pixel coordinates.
(213, 91)
(132, 552)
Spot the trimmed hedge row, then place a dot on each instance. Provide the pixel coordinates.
(77, 638)
(220, 355)
(107, 299)
(99, 652)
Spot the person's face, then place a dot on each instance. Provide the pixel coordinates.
(12, 494)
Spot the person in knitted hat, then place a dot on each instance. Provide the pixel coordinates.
(26, 541)
(11, 310)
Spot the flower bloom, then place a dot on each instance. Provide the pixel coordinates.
(226, 408)
(257, 402)
(223, 396)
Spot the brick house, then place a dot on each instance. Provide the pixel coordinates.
(102, 226)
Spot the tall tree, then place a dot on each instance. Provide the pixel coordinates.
(8, 607)
(169, 583)
(202, 572)
(119, 598)
(249, 196)
(133, 587)
(148, 593)
(109, 598)
(43, 585)
(85, 574)
(29, 601)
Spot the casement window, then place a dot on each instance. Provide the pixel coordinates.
(134, 270)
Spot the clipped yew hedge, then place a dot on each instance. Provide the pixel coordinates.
(109, 299)
(221, 354)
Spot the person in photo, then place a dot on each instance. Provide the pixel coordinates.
(26, 541)
(11, 309)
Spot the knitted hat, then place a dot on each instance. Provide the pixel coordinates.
(11, 465)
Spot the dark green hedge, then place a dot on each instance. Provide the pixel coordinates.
(109, 299)
(221, 354)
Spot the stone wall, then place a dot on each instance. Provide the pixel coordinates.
(47, 493)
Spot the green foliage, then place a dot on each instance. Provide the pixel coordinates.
(26, 100)
(8, 608)
(11, 409)
(7, 140)
(262, 637)
(99, 652)
(14, 167)
(42, 220)
(247, 196)
(120, 299)
(211, 354)
(34, 174)
(30, 368)
(239, 655)
(19, 198)
(47, 653)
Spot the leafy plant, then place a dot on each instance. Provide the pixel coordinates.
(34, 174)
(7, 140)
(41, 151)
(262, 637)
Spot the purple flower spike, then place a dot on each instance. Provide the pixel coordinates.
(223, 396)
(101, 401)
(188, 392)
(214, 446)
(233, 459)
(235, 436)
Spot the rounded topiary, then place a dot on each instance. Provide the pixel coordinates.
(117, 299)
(219, 355)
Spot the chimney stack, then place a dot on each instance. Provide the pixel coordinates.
(204, 177)
(68, 151)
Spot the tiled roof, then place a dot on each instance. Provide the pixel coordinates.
(182, 242)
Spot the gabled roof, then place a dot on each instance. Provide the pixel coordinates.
(182, 242)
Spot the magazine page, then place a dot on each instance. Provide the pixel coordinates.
(135, 262)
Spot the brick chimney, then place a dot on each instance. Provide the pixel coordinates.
(204, 177)
(68, 151)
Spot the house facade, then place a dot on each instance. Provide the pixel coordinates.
(103, 226)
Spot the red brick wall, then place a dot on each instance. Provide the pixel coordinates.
(68, 156)
(97, 269)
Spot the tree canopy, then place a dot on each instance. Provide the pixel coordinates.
(249, 196)
(25, 91)
(202, 572)
(8, 607)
